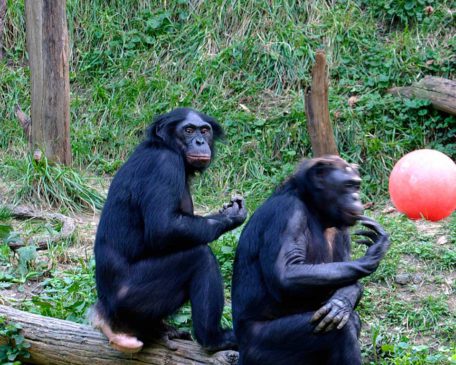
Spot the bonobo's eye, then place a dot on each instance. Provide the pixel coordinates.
(205, 130)
(189, 130)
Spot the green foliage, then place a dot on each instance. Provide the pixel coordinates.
(15, 345)
(404, 353)
(67, 295)
(403, 11)
(54, 184)
(246, 63)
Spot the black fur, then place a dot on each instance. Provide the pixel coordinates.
(151, 250)
(286, 269)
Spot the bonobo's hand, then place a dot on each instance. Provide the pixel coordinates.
(334, 314)
(376, 239)
(235, 210)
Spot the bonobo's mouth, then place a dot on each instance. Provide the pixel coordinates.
(354, 215)
(199, 158)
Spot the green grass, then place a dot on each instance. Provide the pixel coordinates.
(246, 63)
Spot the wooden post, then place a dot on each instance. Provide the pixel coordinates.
(2, 24)
(47, 45)
(58, 342)
(317, 110)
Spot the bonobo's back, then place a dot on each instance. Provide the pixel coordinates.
(250, 292)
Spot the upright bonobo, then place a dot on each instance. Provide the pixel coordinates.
(151, 251)
(294, 285)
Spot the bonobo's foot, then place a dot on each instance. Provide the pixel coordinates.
(171, 333)
(227, 341)
(120, 341)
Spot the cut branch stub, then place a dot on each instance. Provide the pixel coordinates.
(317, 110)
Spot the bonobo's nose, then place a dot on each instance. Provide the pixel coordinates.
(200, 141)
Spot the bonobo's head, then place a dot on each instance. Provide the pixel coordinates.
(330, 187)
(189, 132)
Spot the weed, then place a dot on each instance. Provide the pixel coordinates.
(13, 344)
(55, 185)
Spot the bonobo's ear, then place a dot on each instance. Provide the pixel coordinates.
(217, 130)
(160, 129)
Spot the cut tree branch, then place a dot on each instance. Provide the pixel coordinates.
(58, 342)
(317, 110)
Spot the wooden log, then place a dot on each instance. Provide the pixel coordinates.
(47, 46)
(58, 342)
(439, 91)
(317, 110)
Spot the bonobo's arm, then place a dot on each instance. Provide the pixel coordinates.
(166, 227)
(337, 310)
(294, 274)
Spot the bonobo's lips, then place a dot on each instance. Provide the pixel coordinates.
(199, 158)
(354, 215)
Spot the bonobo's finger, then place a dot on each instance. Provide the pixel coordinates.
(344, 321)
(334, 322)
(237, 198)
(372, 224)
(169, 344)
(372, 235)
(181, 335)
(367, 243)
(321, 312)
(327, 320)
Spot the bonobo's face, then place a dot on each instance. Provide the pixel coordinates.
(196, 139)
(343, 186)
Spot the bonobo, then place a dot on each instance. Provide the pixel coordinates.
(151, 250)
(294, 285)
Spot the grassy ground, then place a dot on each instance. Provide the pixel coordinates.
(246, 63)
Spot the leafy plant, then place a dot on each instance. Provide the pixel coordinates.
(14, 346)
(403, 11)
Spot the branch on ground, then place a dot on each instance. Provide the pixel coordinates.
(25, 212)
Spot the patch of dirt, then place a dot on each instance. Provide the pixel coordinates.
(429, 228)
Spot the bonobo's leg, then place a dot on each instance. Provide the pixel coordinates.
(150, 291)
(206, 297)
(348, 349)
(291, 340)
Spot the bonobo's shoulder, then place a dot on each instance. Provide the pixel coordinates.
(285, 201)
(152, 156)
(277, 210)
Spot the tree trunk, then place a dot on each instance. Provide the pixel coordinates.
(439, 91)
(317, 110)
(47, 45)
(58, 342)
(2, 24)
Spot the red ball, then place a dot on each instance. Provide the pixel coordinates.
(423, 185)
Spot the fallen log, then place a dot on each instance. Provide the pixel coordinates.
(439, 91)
(58, 342)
